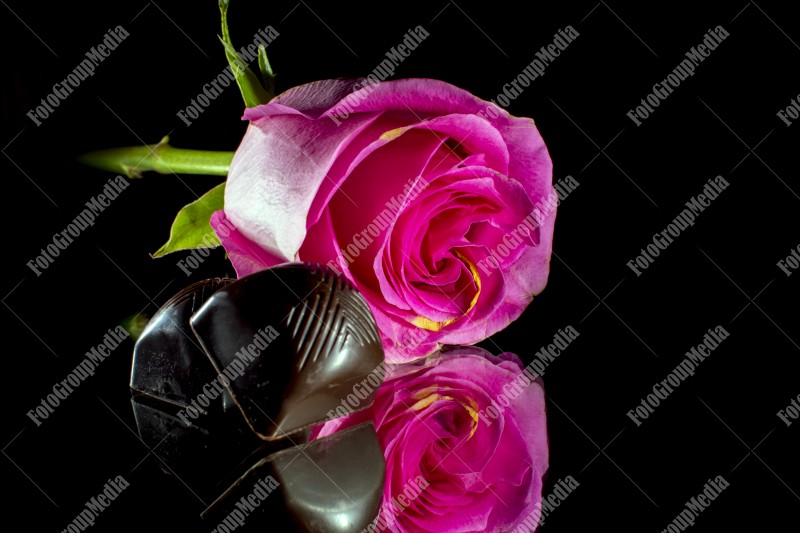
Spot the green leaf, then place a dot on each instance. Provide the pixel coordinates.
(252, 91)
(191, 228)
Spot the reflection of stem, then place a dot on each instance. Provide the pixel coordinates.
(161, 158)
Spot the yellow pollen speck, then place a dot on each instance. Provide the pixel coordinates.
(425, 402)
(472, 409)
(476, 277)
(427, 396)
(392, 134)
(424, 392)
(430, 325)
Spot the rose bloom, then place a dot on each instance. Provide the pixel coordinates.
(435, 204)
(458, 457)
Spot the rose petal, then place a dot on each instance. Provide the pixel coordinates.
(276, 172)
(484, 477)
(245, 255)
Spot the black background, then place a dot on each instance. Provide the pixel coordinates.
(633, 181)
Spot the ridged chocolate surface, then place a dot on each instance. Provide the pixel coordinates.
(325, 341)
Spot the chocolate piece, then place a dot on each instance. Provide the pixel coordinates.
(332, 484)
(288, 344)
(322, 341)
(168, 362)
(169, 371)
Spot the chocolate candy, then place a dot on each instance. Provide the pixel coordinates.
(329, 484)
(322, 341)
(230, 376)
(168, 362)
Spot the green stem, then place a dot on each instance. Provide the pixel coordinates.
(161, 158)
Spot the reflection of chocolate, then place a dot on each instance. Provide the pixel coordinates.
(329, 484)
(251, 365)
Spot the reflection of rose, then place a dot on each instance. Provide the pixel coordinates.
(420, 193)
(476, 473)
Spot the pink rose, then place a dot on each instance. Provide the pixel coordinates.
(435, 204)
(456, 459)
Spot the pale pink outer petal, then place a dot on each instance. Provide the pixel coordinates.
(245, 255)
(275, 175)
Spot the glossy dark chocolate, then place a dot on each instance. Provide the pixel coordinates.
(323, 341)
(168, 361)
(292, 342)
(326, 485)
(207, 457)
